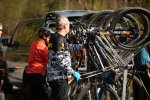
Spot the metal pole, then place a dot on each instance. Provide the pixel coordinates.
(124, 84)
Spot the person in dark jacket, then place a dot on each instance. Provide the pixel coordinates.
(59, 60)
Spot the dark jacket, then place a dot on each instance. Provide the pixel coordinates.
(59, 59)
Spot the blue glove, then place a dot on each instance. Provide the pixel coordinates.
(76, 75)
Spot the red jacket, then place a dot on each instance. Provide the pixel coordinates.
(38, 57)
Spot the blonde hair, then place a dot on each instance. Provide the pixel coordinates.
(61, 21)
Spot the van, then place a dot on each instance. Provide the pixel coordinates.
(24, 34)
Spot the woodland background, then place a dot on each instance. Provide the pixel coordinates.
(14, 11)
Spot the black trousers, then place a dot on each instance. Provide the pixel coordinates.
(59, 89)
(37, 85)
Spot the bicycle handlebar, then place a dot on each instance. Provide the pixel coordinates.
(11, 69)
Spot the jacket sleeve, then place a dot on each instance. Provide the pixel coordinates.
(143, 57)
(75, 47)
(66, 61)
(69, 70)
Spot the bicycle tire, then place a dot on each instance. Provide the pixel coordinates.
(98, 17)
(145, 18)
(75, 88)
(83, 93)
(130, 94)
(108, 94)
(89, 87)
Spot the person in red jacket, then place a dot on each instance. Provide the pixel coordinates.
(36, 69)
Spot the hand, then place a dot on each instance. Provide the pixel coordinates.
(76, 75)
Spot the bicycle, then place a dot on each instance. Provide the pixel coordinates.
(3, 78)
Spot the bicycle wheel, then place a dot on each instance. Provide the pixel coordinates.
(86, 93)
(90, 92)
(132, 81)
(75, 88)
(97, 18)
(142, 16)
(108, 94)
